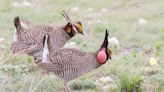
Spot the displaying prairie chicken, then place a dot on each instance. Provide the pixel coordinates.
(70, 63)
(30, 41)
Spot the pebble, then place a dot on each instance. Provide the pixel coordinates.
(75, 9)
(1, 40)
(114, 42)
(142, 21)
(89, 9)
(104, 10)
(22, 4)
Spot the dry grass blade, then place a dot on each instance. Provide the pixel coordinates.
(38, 85)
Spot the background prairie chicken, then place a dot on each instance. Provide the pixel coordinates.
(30, 40)
(70, 63)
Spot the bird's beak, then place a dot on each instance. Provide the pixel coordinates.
(82, 33)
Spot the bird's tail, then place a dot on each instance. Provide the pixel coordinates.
(17, 22)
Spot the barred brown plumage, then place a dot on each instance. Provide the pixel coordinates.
(69, 63)
(34, 37)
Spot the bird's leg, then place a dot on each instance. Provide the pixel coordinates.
(67, 86)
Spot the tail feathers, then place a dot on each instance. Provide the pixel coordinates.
(17, 22)
(105, 43)
(45, 48)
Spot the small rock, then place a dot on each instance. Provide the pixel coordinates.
(15, 4)
(98, 83)
(142, 21)
(89, 9)
(99, 22)
(75, 9)
(22, 4)
(113, 41)
(105, 79)
(105, 83)
(109, 79)
(90, 15)
(1, 39)
(104, 10)
(27, 4)
(106, 88)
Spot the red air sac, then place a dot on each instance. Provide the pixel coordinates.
(101, 56)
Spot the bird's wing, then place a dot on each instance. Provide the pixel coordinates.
(66, 58)
(22, 47)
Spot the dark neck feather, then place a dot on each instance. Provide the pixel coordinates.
(66, 27)
(105, 43)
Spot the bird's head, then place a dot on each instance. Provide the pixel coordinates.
(78, 27)
(72, 27)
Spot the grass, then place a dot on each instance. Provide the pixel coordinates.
(129, 82)
(137, 44)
